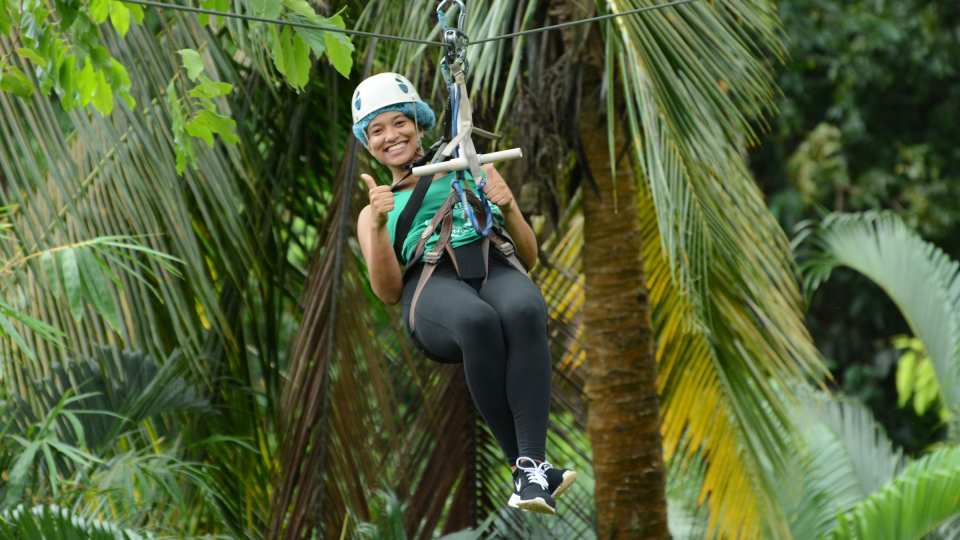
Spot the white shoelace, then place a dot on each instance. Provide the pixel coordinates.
(536, 474)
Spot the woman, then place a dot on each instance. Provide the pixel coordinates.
(493, 318)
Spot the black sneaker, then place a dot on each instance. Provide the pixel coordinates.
(558, 480)
(530, 488)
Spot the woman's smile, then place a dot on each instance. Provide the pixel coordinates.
(396, 148)
(393, 140)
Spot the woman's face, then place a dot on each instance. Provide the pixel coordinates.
(392, 138)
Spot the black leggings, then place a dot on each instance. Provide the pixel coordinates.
(499, 331)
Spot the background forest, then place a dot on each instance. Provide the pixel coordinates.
(189, 346)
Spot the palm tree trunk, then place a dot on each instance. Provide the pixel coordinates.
(623, 420)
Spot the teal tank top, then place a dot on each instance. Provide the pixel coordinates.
(463, 232)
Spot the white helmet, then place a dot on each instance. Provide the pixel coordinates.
(387, 90)
(379, 91)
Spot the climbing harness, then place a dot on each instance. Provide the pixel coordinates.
(457, 155)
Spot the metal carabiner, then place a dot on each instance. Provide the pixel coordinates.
(455, 39)
(461, 18)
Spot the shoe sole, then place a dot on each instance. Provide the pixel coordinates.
(568, 479)
(536, 504)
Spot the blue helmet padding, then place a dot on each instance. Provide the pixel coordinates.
(420, 112)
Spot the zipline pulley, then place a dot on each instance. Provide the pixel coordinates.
(454, 38)
(461, 148)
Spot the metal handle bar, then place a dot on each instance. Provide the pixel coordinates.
(459, 164)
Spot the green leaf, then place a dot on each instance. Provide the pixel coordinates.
(66, 84)
(13, 81)
(291, 56)
(911, 505)
(71, 281)
(216, 5)
(277, 50)
(120, 80)
(926, 389)
(120, 17)
(313, 38)
(183, 147)
(876, 244)
(298, 61)
(99, 10)
(19, 474)
(206, 122)
(6, 327)
(211, 89)
(6, 21)
(905, 375)
(339, 47)
(48, 265)
(94, 276)
(87, 83)
(32, 55)
(304, 9)
(269, 9)
(136, 12)
(52, 473)
(193, 63)
(103, 97)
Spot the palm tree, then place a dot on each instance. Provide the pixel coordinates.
(350, 405)
(726, 308)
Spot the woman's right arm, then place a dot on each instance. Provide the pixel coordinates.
(386, 278)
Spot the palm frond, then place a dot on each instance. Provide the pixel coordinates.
(689, 519)
(55, 523)
(123, 388)
(141, 486)
(727, 310)
(916, 502)
(843, 456)
(921, 280)
(719, 376)
(488, 62)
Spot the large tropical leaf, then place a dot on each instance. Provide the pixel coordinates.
(924, 495)
(122, 389)
(842, 456)
(52, 522)
(921, 280)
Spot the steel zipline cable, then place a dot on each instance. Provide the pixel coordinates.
(327, 28)
(582, 21)
(253, 18)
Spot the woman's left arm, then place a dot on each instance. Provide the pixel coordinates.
(499, 194)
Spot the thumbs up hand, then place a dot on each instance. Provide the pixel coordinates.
(381, 199)
(497, 190)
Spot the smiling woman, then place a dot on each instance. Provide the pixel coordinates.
(393, 137)
(477, 306)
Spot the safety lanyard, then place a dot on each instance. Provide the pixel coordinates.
(461, 148)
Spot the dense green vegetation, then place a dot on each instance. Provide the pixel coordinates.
(189, 348)
(871, 91)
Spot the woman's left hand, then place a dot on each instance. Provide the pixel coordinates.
(497, 190)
